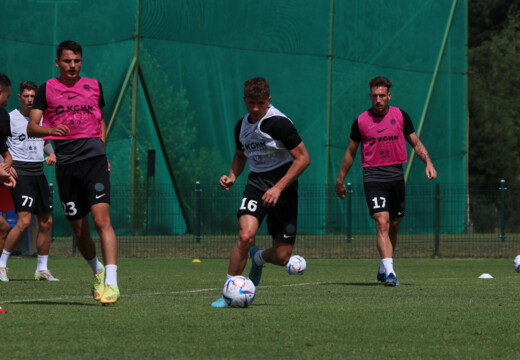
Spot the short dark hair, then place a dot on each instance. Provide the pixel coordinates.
(256, 88)
(68, 45)
(4, 81)
(28, 85)
(380, 81)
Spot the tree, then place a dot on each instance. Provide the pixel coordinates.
(494, 114)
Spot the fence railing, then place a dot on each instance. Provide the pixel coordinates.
(441, 220)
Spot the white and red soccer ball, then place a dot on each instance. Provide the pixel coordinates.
(296, 265)
(516, 263)
(239, 291)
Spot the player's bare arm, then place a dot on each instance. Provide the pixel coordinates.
(300, 163)
(237, 166)
(35, 130)
(8, 174)
(8, 160)
(104, 134)
(346, 164)
(422, 154)
(103, 127)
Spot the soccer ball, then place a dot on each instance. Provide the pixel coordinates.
(239, 291)
(516, 262)
(296, 265)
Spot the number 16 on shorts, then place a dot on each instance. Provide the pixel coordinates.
(250, 205)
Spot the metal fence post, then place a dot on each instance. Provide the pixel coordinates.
(437, 218)
(349, 212)
(198, 192)
(503, 209)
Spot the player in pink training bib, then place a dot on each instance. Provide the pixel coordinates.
(72, 109)
(382, 132)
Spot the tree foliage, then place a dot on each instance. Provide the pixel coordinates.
(494, 114)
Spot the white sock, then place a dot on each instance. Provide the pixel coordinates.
(41, 264)
(4, 258)
(111, 275)
(228, 277)
(259, 260)
(95, 265)
(381, 267)
(388, 263)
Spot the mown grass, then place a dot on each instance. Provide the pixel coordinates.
(336, 310)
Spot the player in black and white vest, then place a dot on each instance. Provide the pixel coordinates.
(31, 195)
(277, 157)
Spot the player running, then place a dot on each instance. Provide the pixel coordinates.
(277, 157)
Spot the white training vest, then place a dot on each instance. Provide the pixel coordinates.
(22, 147)
(263, 152)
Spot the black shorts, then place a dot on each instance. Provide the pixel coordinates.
(386, 196)
(31, 194)
(83, 184)
(281, 219)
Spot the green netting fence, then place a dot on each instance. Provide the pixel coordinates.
(173, 72)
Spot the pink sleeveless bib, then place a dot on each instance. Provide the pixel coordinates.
(383, 141)
(75, 106)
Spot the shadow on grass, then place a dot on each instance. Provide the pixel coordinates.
(31, 280)
(360, 284)
(43, 302)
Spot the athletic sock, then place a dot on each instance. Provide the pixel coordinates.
(228, 277)
(41, 264)
(259, 260)
(4, 258)
(381, 267)
(95, 265)
(388, 263)
(111, 275)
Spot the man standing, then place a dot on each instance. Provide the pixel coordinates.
(72, 107)
(31, 195)
(382, 131)
(277, 157)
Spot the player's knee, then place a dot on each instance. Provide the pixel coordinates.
(246, 237)
(81, 233)
(394, 228)
(382, 227)
(395, 224)
(4, 227)
(23, 223)
(46, 225)
(284, 260)
(381, 221)
(282, 257)
(101, 223)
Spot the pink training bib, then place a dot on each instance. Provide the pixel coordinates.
(383, 142)
(76, 106)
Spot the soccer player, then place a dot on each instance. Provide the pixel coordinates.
(382, 131)
(31, 195)
(72, 109)
(7, 172)
(277, 157)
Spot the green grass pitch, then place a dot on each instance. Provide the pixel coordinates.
(336, 310)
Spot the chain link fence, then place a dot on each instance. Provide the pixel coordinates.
(487, 223)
